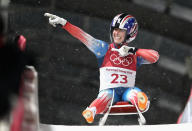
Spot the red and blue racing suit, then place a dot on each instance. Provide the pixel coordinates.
(116, 73)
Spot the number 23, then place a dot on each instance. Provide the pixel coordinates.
(119, 78)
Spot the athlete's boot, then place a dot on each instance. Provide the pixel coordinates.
(88, 115)
(142, 100)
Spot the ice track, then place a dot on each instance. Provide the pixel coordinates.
(178, 127)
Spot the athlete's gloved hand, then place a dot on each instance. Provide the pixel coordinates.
(125, 50)
(53, 20)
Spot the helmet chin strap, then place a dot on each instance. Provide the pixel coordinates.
(121, 44)
(124, 43)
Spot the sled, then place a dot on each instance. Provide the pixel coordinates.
(124, 108)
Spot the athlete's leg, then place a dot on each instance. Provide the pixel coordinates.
(100, 104)
(136, 94)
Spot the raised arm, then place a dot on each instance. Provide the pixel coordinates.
(98, 47)
(78, 33)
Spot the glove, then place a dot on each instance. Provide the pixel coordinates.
(53, 19)
(125, 50)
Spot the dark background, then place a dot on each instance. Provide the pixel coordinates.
(67, 70)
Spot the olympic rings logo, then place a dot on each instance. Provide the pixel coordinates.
(117, 60)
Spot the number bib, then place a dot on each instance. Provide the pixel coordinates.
(111, 77)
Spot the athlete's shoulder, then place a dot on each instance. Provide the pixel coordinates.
(102, 43)
(100, 48)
